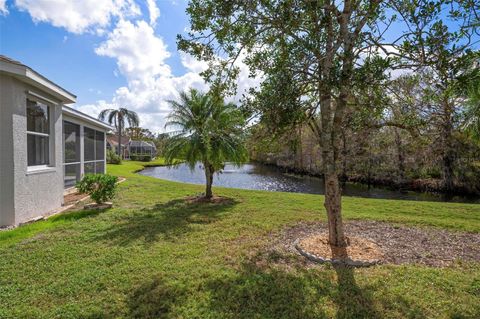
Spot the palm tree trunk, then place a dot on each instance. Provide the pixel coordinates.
(208, 179)
(120, 139)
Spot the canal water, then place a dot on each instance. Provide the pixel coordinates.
(269, 178)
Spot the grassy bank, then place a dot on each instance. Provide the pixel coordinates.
(157, 256)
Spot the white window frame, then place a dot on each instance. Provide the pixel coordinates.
(51, 108)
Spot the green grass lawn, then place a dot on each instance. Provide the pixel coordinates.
(156, 256)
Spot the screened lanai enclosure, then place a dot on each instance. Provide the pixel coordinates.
(84, 151)
(141, 150)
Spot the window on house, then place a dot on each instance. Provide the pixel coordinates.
(38, 133)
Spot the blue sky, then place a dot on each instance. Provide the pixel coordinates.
(69, 59)
(107, 52)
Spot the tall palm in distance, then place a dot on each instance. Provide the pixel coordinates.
(208, 131)
(118, 118)
(472, 112)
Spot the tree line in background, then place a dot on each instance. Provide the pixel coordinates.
(413, 144)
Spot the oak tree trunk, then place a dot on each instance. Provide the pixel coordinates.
(330, 140)
(333, 205)
(344, 159)
(448, 153)
(401, 157)
(448, 171)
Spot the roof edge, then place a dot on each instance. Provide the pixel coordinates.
(77, 114)
(34, 78)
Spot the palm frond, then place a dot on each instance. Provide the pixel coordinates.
(103, 114)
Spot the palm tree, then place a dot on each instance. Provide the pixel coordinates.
(118, 118)
(472, 112)
(209, 132)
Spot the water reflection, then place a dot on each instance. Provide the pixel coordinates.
(263, 177)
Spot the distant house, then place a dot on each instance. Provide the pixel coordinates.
(112, 144)
(45, 146)
(141, 149)
(132, 149)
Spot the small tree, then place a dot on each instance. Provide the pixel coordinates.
(119, 118)
(209, 132)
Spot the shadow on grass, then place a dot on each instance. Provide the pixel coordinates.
(76, 215)
(351, 300)
(269, 292)
(29, 230)
(273, 293)
(169, 220)
(154, 299)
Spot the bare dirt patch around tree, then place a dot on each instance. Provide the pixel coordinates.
(399, 244)
(359, 252)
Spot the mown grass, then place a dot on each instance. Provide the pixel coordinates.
(155, 255)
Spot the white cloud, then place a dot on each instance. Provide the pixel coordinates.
(140, 54)
(78, 16)
(142, 58)
(244, 81)
(192, 64)
(153, 11)
(95, 109)
(3, 7)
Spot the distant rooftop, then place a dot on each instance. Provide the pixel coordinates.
(142, 143)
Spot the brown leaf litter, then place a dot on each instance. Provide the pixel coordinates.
(398, 244)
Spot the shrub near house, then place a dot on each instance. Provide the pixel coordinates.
(113, 158)
(100, 187)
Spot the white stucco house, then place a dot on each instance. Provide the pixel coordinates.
(45, 146)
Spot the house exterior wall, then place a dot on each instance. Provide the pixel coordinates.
(35, 192)
(28, 192)
(7, 212)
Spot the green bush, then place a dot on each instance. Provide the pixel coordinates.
(141, 158)
(113, 158)
(100, 187)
